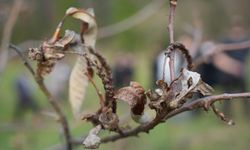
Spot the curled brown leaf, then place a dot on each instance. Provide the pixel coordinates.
(185, 85)
(134, 96)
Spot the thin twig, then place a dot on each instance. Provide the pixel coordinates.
(222, 116)
(55, 105)
(25, 61)
(7, 32)
(173, 4)
(206, 102)
(39, 79)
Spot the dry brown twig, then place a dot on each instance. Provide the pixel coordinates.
(39, 80)
(173, 4)
(205, 103)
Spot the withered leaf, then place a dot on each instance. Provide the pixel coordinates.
(89, 30)
(135, 97)
(78, 83)
(78, 78)
(46, 56)
(68, 37)
(204, 88)
(188, 83)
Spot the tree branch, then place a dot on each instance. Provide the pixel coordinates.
(205, 102)
(39, 80)
(173, 4)
(25, 61)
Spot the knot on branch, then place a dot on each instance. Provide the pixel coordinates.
(105, 117)
(109, 120)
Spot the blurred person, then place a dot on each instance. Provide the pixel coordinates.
(228, 68)
(25, 100)
(123, 70)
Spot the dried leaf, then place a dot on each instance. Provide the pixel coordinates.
(46, 57)
(92, 141)
(134, 96)
(49, 53)
(188, 83)
(78, 78)
(95, 60)
(35, 54)
(67, 39)
(84, 15)
(157, 99)
(204, 88)
(78, 83)
(89, 30)
(154, 95)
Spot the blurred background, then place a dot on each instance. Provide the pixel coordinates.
(132, 35)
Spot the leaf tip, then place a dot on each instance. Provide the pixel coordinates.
(71, 10)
